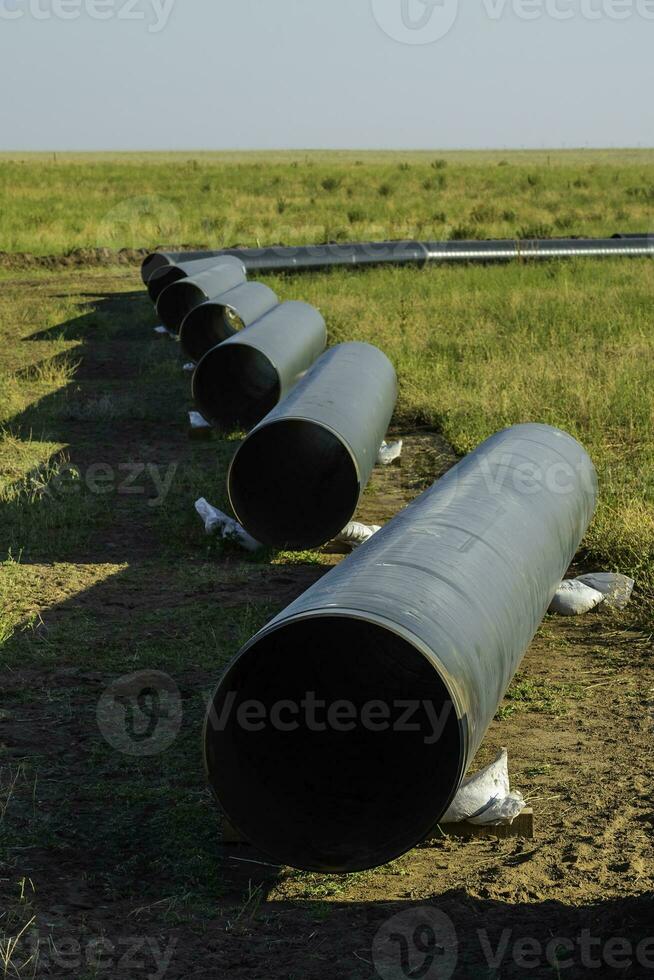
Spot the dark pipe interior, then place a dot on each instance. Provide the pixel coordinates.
(294, 484)
(151, 263)
(162, 278)
(207, 326)
(320, 798)
(235, 386)
(176, 302)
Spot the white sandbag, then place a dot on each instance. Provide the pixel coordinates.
(504, 810)
(215, 522)
(197, 421)
(389, 452)
(616, 589)
(486, 799)
(574, 599)
(354, 535)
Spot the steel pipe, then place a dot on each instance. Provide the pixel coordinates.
(297, 479)
(161, 260)
(177, 300)
(238, 383)
(340, 734)
(315, 257)
(166, 275)
(219, 319)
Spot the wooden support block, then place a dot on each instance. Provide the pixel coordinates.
(522, 827)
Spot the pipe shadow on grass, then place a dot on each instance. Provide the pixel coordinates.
(116, 449)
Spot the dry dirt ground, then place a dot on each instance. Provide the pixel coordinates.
(114, 865)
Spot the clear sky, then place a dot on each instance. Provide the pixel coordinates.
(241, 74)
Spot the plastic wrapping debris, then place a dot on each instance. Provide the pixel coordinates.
(575, 599)
(197, 421)
(616, 589)
(486, 799)
(215, 522)
(389, 452)
(164, 331)
(354, 535)
(190, 367)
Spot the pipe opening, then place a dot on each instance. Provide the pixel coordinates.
(151, 263)
(235, 386)
(161, 279)
(312, 753)
(233, 320)
(206, 326)
(294, 483)
(176, 303)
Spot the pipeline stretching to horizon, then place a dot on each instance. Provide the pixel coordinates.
(437, 610)
(412, 253)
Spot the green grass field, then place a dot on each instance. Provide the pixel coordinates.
(476, 349)
(57, 202)
(95, 584)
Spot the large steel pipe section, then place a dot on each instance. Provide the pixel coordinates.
(219, 319)
(312, 257)
(165, 276)
(340, 734)
(176, 301)
(297, 479)
(238, 383)
(160, 260)
(306, 258)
